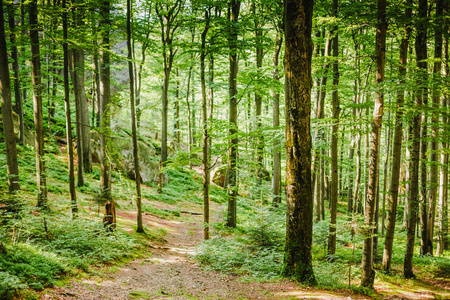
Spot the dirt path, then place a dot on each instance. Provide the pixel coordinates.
(167, 272)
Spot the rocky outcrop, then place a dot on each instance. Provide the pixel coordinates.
(123, 154)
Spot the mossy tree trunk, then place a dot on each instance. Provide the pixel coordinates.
(299, 197)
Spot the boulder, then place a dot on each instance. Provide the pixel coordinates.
(220, 175)
(124, 150)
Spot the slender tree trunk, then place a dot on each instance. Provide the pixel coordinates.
(421, 55)
(7, 111)
(15, 57)
(319, 185)
(258, 97)
(36, 78)
(396, 153)
(73, 195)
(385, 177)
(77, 93)
(137, 172)
(334, 140)
(105, 115)
(276, 179)
(368, 274)
(233, 142)
(299, 198)
(206, 162)
(442, 243)
(434, 130)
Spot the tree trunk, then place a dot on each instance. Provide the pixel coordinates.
(397, 149)
(137, 172)
(73, 195)
(334, 140)
(442, 243)
(77, 93)
(368, 274)
(205, 160)
(15, 57)
(37, 105)
(233, 142)
(421, 55)
(434, 131)
(258, 96)
(276, 179)
(105, 115)
(7, 111)
(298, 81)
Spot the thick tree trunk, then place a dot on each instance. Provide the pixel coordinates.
(73, 195)
(7, 111)
(334, 141)
(233, 142)
(298, 81)
(276, 179)
(396, 153)
(368, 274)
(421, 55)
(37, 105)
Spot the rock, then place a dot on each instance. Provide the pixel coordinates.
(124, 150)
(28, 133)
(263, 174)
(219, 176)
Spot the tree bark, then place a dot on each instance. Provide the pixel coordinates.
(299, 198)
(368, 274)
(73, 195)
(36, 78)
(434, 131)
(421, 55)
(105, 114)
(442, 243)
(276, 178)
(15, 57)
(334, 140)
(12, 165)
(396, 153)
(137, 172)
(233, 15)
(205, 160)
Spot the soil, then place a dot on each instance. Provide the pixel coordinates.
(167, 271)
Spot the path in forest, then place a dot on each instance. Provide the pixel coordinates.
(167, 272)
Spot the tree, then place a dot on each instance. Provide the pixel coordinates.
(15, 57)
(140, 227)
(276, 178)
(233, 14)
(398, 135)
(299, 198)
(421, 55)
(105, 112)
(368, 274)
(167, 14)
(7, 112)
(73, 195)
(37, 104)
(334, 139)
(206, 141)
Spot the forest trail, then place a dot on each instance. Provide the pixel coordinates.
(167, 272)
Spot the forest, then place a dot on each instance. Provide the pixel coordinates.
(224, 149)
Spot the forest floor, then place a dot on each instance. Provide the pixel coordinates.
(166, 271)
